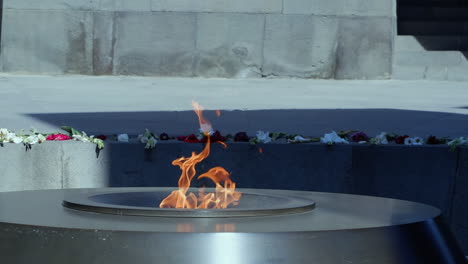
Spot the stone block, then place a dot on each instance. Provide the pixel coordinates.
(300, 46)
(399, 171)
(126, 162)
(51, 4)
(429, 58)
(314, 7)
(125, 5)
(460, 201)
(103, 43)
(229, 45)
(340, 7)
(458, 73)
(461, 235)
(364, 48)
(241, 6)
(385, 8)
(459, 217)
(320, 168)
(158, 43)
(35, 169)
(277, 166)
(437, 73)
(404, 72)
(83, 167)
(47, 41)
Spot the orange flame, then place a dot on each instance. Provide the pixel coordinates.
(224, 195)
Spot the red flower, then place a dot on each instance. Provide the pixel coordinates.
(164, 136)
(401, 139)
(101, 137)
(217, 137)
(58, 137)
(433, 140)
(189, 139)
(241, 137)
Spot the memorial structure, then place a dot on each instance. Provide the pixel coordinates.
(340, 39)
(258, 39)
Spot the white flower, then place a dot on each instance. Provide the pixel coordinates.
(31, 140)
(332, 138)
(80, 138)
(206, 129)
(379, 139)
(12, 138)
(263, 137)
(122, 138)
(458, 141)
(417, 141)
(41, 138)
(9, 137)
(142, 139)
(148, 139)
(3, 132)
(409, 141)
(17, 140)
(151, 143)
(300, 139)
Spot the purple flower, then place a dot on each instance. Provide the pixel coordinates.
(358, 137)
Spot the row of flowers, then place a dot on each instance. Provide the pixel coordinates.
(150, 139)
(34, 137)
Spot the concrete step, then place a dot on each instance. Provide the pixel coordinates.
(432, 13)
(434, 58)
(424, 27)
(433, 65)
(434, 43)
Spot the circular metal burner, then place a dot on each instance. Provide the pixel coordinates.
(146, 203)
(36, 228)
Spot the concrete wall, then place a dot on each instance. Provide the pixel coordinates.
(343, 39)
(427, 174)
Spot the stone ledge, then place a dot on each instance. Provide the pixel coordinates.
(240, 6)
(341, 7)
(314, 7)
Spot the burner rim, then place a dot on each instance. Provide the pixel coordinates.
(291, 205)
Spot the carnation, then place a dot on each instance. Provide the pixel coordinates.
(401, 139)
(122, 138)
(332, 138)
(241, 137)
(359, 137)
(263, 137)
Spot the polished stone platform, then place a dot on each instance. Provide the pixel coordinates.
(36, 228)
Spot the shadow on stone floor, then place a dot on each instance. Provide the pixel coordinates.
(313, 122)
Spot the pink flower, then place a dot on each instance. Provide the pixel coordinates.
(58, 137)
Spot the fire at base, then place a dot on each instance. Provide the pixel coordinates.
(225, 193)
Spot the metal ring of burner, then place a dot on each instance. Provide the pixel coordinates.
(108, 203)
